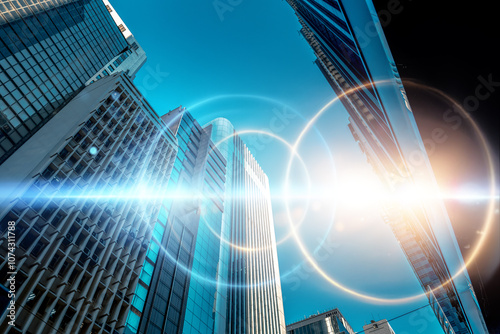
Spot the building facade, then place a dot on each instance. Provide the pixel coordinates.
(178, 295)
(125, 222)
(129, 60)
(254, 301)
(378, 327)
(48, 51)
(204, 279)
(83, 229)
(354, 57)
(330, 322)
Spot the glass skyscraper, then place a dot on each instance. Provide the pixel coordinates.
(324, 323)
(216, 271)
(48, 51)
(129, 60)
(354, 57)
(177, 294)
(254, 300)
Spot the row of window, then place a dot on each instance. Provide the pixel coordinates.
(80, 246)
(46, 58)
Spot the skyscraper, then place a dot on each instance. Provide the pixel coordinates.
(254, 300)
(129, 60)
(354, 57)
(48, 51)
(85, 193)
(216, 271)
(177, 294)
(322, 323)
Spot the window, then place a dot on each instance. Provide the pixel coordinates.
(63, 269)
(122, 28)
(64, 153)
(49, 211)
(28, 240)
(81, 285)
(38, 249)
(78, 137)
(67, 318)
(108, 7)
(48, 173)
(54, 261)
(89, 123)
(57, 219)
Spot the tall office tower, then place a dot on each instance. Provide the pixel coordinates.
(354, 57)
(177, 288)
(378, 327)
(254, 300)
(129, 60)
(84, 192)
(201, 281)
(48, 51)
(325, 323)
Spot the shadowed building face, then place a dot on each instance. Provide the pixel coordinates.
(46, 56)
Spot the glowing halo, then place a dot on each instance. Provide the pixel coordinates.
(363, 295)
(262, 98)
(268, 99)
(230, 96)
(289, 146)
(491, 168)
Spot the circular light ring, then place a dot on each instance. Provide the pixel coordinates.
(262, 98)
(352, 291)
(289, 146)
(268, 99)
(490, 216)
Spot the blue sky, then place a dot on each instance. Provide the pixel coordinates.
(251, 66)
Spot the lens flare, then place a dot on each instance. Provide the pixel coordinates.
(409, 196)
(347, 192)
(307, 196)
(490, 213)
(93, 150)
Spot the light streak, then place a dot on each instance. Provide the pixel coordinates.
(410, 195)
(301, 196)
(342, 194)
